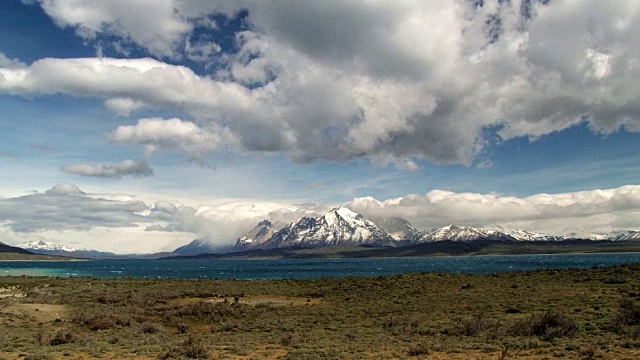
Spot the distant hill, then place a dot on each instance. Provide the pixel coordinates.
(196, 247)
(343, 228)
(4, 248)
(44, 248)
(437, 248)
(14, 253)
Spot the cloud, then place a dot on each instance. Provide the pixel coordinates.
(66, 207)
(558, 214)
(160, 31)
(110, 171)
(157, 134)
(222, 224)
(343, 80)
(65, 213)
(6, 62)
(65, 189)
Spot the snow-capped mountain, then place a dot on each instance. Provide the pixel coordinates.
(338, 227)
(495, 232)
(41, 247)
(523, 235)
(260, 234)
(461, 233)
(36, 246)
(624, 235)
(397, 227)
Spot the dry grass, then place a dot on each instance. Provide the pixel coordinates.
(581, 314)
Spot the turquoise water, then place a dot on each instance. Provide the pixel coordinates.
(309, 268)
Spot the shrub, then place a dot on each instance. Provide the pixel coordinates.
(401, 325)
(103, 321)
(627, 314)
(151, 328)
(64, 337)
(548, 325)
(419, 349)
(193, 347)
(475, 325)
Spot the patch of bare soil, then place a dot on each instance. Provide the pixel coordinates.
(270, 300)
(11, 291)
(41, 313)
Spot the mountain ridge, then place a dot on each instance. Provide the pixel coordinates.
(338, 227)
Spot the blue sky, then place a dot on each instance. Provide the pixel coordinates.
(233, 112)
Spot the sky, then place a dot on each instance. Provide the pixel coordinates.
(139, 125)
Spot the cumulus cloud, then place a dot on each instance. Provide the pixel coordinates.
(222, 224)
(341, 80)
(6, 62)
(157, 134)
(160, 32)
(66, 207)
(110, 171)
(67, 211)
(559, 214)
(65, 189)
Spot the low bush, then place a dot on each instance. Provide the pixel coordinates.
(475, 325)
(103, 321)
(548, 325)
(64, 337)
(151, 328)
(193, 347)
(418, 349)
(627, 314)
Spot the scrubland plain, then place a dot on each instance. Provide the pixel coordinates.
(579, 314)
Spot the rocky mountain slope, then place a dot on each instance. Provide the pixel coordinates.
(338, 227)
(260, 234)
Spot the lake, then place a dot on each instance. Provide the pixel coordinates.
(309, 268)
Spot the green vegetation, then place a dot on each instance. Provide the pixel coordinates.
(581, 314)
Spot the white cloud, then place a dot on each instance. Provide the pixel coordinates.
(158, 134)
(77, 218)
(6, 62)
(123, 106)
(123, 224)
(340, 80)
(153, 24)
(65, 189)
(110, 171)
(558, 214)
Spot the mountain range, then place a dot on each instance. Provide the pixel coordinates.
(340, 227)
(343, 227)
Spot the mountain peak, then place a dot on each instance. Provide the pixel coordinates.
(464, 233)
(260, 234)
(346, 213)
(340, 226)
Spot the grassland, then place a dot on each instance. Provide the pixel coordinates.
(579, 314)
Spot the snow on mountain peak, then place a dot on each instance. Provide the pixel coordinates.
(346, 213)
(464, 233)
(340, 226)
(41, 245)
